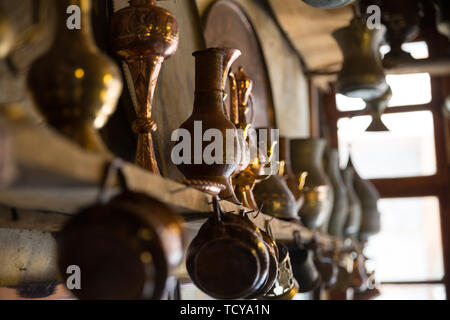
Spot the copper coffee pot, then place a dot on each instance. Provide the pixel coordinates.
(74, 85)
(144, 35)
(362, 74)
(208, 114)
(377, 107)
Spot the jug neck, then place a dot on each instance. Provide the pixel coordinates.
(308, 152)
(69, 37)
(208, 80)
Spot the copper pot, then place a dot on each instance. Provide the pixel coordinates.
(125, 249)
(208, 113)
(362, 74)
(228, 258)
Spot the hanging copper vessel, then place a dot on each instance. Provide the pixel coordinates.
(125, 249)
(353, 222)
(286, 286)
(328, 4)
(326, 266)
(144, 35)
(401, 18)
(362, 74)
(377, 107)
(74, 85)
(369, 196)
(340, 199)
(443, 23)
(208, 114)
(228, 259)
(306, 156)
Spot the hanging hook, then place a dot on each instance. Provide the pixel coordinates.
(217, 209)
(111, 168)
(258, 212)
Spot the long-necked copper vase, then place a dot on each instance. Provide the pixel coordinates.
(74, 85)
(208, 114)
(144, 35)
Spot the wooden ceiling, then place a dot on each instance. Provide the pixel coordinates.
(309, 29)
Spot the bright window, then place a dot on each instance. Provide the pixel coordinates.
(409, 246)
(408, 150)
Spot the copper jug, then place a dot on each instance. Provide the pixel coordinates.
(353, 222)
(74, 85)
(286, 168)
(340, 200)
(303, 267)
(377, 107)
(369, 196)
(208, 114)
(328, 4)
(306, 156)
(362, 74)
(144, 35)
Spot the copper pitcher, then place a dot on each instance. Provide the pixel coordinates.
(306, 156)
(362, 74)
(208, 114)
(340, 200)
(74, 85)
(377, 107)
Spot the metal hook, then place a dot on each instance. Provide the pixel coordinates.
(113, 167)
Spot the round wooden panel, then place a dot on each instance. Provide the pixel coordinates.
(227, 25)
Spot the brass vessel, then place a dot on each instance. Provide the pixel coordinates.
(286, 286)
(362, 74)
(74, 85)
(208, 114)
(370, 216)
(377, 107)
(286, 169)
(306, 156)
(353, 222)
(340, 200)
(144, 35)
